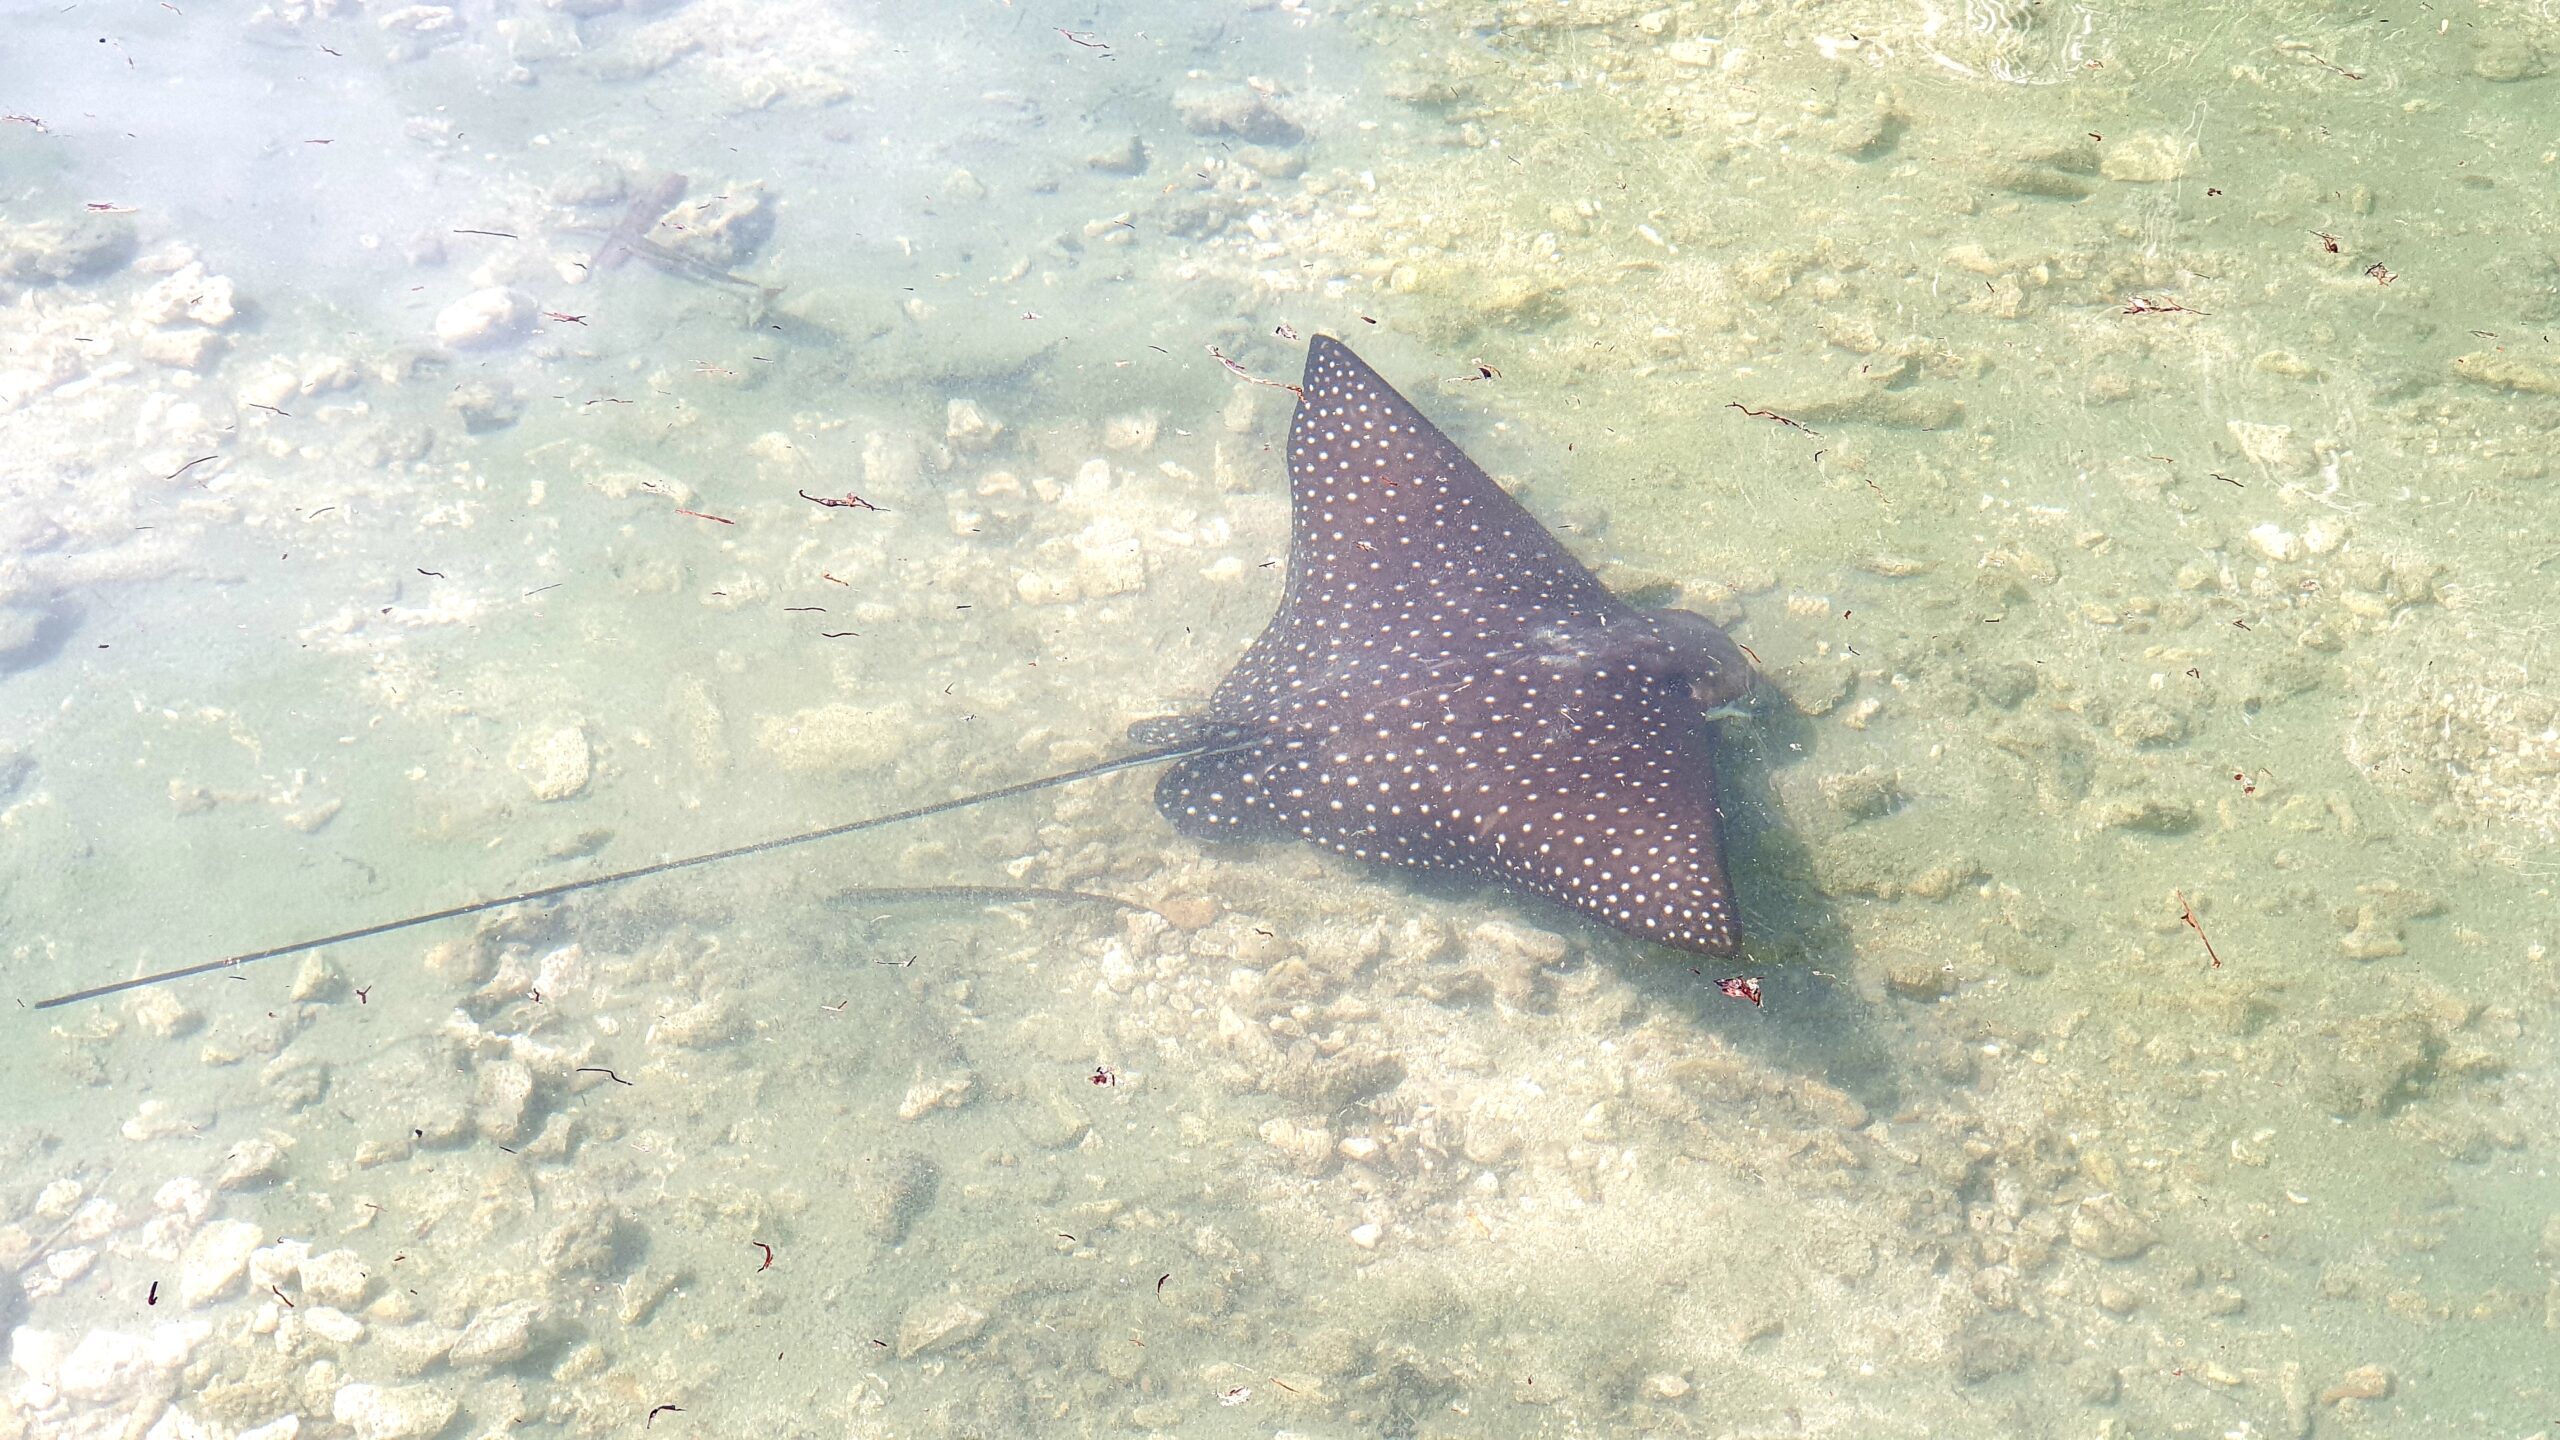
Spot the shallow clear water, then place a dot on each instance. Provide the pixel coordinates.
(2118, 432)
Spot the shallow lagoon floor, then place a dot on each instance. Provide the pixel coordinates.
(2119, 432)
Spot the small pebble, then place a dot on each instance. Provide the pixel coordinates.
(336, 1277)
(2105, 1228)
(2275, 542)
(317, 979)
(163, 1014)
(503, 1090)
(899, 1192)
(393, 1412)
(408, 1349)
(1125, 157)
(484, 318)
(556, 763)
(333, 1325)
(278, 1265)
(497, 1335)
(1131, 432)
(946, 1092)
(1238, 110)
(185, 1195)
(215, 1260)
(938, 1324)
(486, 405)
(158, 1120)
(252, 1163)
(2148, 158)
(2365, 1382)
(969, 427)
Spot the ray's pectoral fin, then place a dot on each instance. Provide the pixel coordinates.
(1220, 796)
(1167, 732)
(1667, 645)
(1176, 732)
(1216, 792)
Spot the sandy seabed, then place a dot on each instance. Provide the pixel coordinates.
(2120, 438)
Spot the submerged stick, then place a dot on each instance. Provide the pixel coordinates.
(1197, 740)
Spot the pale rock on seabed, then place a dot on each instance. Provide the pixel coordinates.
(2144, 829)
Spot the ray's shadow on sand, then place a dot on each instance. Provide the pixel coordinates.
(1814, 1020)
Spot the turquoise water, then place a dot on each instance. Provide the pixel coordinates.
(2118, 432)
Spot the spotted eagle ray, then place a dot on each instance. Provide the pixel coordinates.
(1443, 687)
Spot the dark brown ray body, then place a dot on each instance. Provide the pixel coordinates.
(1446, 688)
